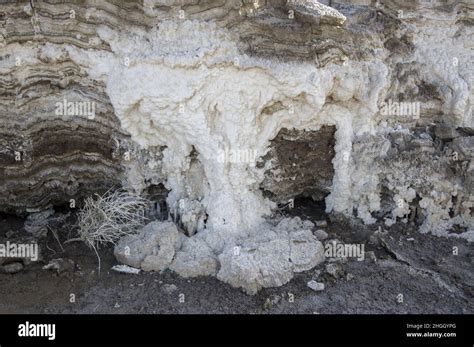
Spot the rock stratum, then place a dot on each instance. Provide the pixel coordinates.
(229, 108)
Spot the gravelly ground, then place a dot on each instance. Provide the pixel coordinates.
(425, 271)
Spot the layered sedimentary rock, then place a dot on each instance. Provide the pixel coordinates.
(207, 99)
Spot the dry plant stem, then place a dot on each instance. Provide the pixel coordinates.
(108, 217)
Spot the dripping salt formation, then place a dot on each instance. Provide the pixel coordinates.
(176, 89)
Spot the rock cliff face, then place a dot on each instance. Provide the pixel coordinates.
(235, 106)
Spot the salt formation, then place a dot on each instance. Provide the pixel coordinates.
(268, 258)
(195, 97)
(152, 250)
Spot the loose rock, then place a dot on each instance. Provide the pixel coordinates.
(334, 269)
(169, 288)
(60, 265)
(316, 286)
(321, 223)
(12, 268)
(125, 269)
(320, 234)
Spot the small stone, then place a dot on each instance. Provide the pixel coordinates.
(316, 286)
(320, 234)
(349, 277)
(169, 288)
(125, 269)
(371, 256)
(321, 223)
(36, 222)
(60, 265)
(12, 268)
(334, 269)
(117, 305)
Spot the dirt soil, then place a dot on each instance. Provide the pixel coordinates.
(421, 267)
